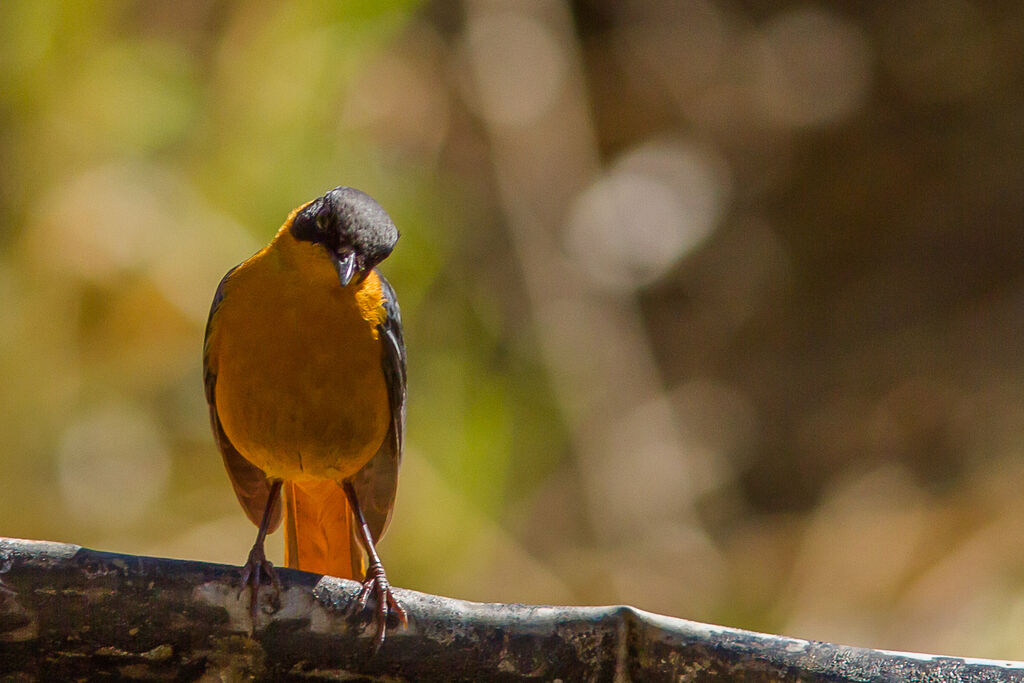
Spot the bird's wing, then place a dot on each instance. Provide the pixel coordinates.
(250, 483)
(377, 482)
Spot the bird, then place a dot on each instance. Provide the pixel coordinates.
(304, 367)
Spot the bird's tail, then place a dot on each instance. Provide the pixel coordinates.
(318, 530)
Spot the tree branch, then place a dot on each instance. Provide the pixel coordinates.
(72, 612)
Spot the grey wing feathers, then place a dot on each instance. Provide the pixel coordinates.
(251, 486)
(394, 362)
(209, 374)
(377, 482)
(250, 483)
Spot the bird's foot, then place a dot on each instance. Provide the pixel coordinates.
(256, 572)
(376, 583)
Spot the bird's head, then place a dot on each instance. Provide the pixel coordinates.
(355, 230)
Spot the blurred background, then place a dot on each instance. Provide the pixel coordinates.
(713, 307)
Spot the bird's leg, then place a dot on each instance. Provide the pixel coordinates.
(258, 567)
(376, 581)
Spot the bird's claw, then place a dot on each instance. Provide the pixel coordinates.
(376, 583)
(255, 573)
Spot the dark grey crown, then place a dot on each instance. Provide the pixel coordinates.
(348, 220)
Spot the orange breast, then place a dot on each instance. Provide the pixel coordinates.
(300, 388)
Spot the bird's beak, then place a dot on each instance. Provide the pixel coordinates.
(346, 266)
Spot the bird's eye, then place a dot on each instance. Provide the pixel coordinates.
(321, 222)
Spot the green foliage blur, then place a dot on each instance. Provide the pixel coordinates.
(713, 308)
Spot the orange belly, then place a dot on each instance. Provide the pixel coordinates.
(300, 388)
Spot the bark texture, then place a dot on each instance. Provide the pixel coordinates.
(69, 613)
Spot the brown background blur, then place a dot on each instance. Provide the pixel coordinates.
(714, 308)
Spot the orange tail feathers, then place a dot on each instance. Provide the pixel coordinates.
(318, 530)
